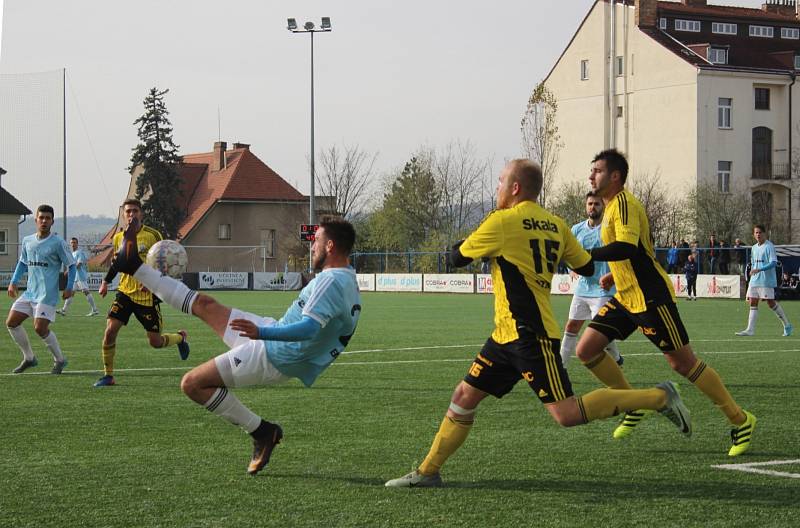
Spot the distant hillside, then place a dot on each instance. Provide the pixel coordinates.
(88, 229)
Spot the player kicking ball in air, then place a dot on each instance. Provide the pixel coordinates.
(314, 330)
(525, 244)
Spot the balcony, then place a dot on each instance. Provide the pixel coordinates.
(774, 171)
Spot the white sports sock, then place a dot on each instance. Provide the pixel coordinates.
(66, 304)
(568, 343)
(751, 319)
(781, 314)
(52, 344)
(224, 404)
(171, 291)
(613, 350)
(20, 337)
(91, 302)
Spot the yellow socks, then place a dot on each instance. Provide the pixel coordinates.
(108, 359)
(607, 371)
(603, 403)
(708, 381)
(451, 435)
(171, 339)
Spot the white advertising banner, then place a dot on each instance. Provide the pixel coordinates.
(225, 280)
(448, 283)
(366, 281)
(563, 285)
(277, 281)
(717, 286)
(483, 283)
(5, 280)
(402, 282)
(94, 278)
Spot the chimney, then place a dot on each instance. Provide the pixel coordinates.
(218, 160)
(646, 13)
(245, 146)
(780, 7)
(694, 3)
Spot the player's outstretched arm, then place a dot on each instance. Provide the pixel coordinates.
(456, 258)
(303, 330)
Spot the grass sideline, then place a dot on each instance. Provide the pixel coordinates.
(141, 454)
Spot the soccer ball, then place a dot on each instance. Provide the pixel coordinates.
(168, 257)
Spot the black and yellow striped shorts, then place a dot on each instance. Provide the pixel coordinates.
(661, 324)
(535, 359)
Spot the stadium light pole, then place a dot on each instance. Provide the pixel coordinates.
(310, 28)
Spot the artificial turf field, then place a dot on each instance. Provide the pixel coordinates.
(141, 454)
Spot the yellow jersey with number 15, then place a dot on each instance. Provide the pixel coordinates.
(641, 281)
(525, 243)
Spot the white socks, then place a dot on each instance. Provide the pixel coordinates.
(20, 337)
(751, 319)
(225, 405)
(780, 314)
(568, 343)
(91, 302)
(55, 348)
(171, 291)
(66, 304)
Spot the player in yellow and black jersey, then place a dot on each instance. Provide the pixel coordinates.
(525, 244)
(645, 300)
(134, 299)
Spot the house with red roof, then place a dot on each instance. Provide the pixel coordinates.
(240, 215)
(11, 210)
(701, 94)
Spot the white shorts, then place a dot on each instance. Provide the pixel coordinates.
(760, 292)
(585, 308)
(246, 364)
(79, 285)
(34, 309)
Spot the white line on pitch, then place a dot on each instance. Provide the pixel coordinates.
(754, 467)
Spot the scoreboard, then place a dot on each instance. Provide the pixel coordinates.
(307, 232)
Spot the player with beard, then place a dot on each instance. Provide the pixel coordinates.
(314, 330)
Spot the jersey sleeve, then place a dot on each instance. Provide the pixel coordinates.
(771, 255)
(574, 255)
(486, 240)
(23, 254)
(627, 226)
(66, 254)
(325, 302)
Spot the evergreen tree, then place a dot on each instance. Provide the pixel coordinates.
(158, 186)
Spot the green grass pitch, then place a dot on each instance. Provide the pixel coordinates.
(141, 454)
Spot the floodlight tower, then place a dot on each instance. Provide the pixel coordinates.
(310, 28)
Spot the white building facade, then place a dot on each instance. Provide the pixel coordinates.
(698, 93)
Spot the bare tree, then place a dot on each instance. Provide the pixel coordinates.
(346, 175)
(662, 210)
(459, 173)
(541, 141)
(728, 215)
(569, 202)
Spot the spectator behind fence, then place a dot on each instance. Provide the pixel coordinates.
(713, 253)
(672, 258)
(698, 255)
(724, 258)
(739, 256)
(690, 269)
(683, 254)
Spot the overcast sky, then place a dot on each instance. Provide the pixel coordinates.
(390, 77)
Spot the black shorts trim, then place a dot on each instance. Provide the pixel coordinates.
(661, 324)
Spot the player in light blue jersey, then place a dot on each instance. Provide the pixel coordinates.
(591, 293)
(763, 282)
(311, 334)
(81, 279)
(42, 255)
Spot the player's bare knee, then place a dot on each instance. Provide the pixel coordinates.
(203, 305)
(189, 383)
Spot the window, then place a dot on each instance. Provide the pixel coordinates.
(619, 111)
(224, 232)
(267, 243)
(724, 176)
(722, 28)
(687, 25)
(761, 31)
(790, 33)
(3, 240)
(724, 112)
(584, 69)
(797, 62)
(717, 55)
(662, 23)
(762, 98)
(620, 66)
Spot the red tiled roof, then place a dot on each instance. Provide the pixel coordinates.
(245, 178)
(752, 15)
